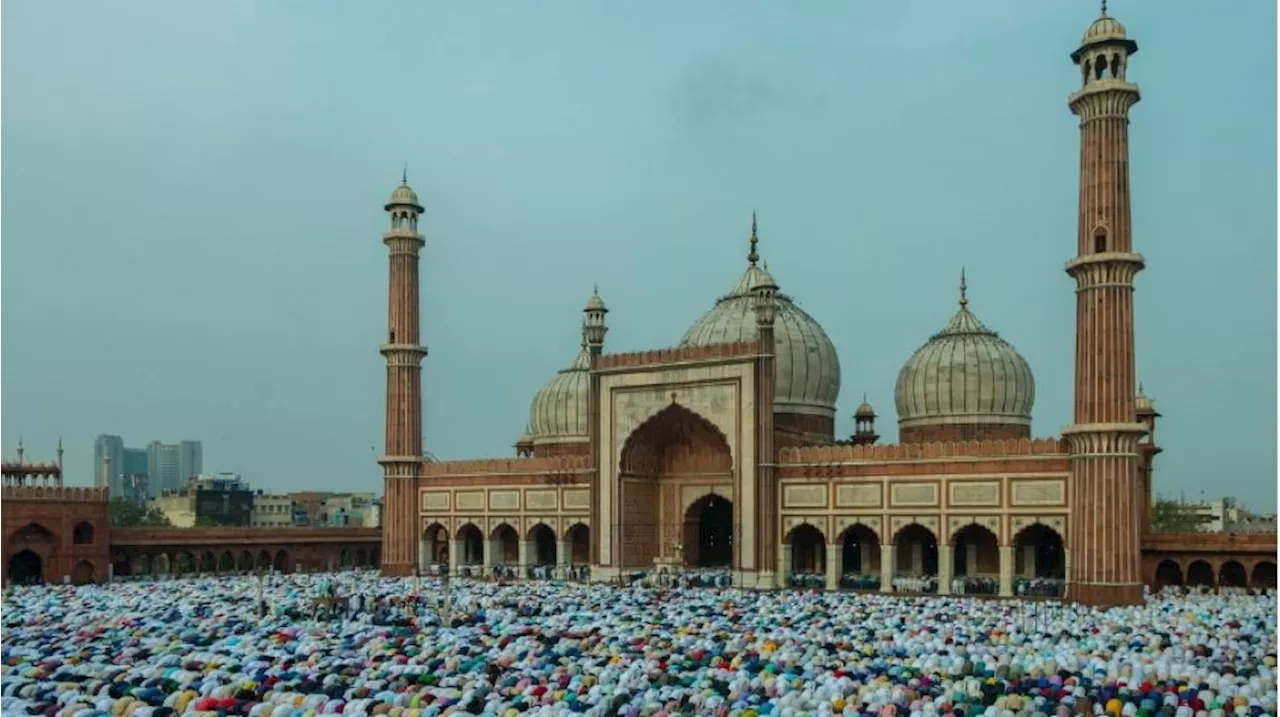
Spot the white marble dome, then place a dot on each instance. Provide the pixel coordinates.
(965, 375)
(403, 195)
(559, 410)
(806, 368)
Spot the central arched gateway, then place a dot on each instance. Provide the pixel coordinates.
(708, 533)
(675, 481)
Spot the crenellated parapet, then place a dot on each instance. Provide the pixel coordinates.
(60, 494)
(819, 455)
(545, 465)
(679, 354)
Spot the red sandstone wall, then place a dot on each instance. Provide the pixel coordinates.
(966, 432)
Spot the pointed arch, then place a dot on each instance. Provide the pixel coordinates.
(506, 544)
(808, 549)
(1039, 552)
(471, 542)
(281, 562)
(543, 539)
(82, 534)
(1232, 575)
(1263, 575)
(1200, 574)
(1168, 574)
(676, 437)
(82, 573)
(227, 563)
(435, 545)
(976, 552)
(916, 548)
(860, 550)
(579, 538)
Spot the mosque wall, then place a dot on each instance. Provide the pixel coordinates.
(66, 528)
(719, 391)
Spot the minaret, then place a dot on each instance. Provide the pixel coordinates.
(864, 424)
(402, 458)
(765, 305)
(593, 331)
(1104, 529)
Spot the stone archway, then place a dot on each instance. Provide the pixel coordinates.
(808, 550)
(26, 568)
(1168, 574)
(1039, 552)
(708, 533)
(975, 553)
(245, 564)
(1232, 575)
(543, 540)
(82, 573)
(281, 562)
(861, 551)
(1263, 575)
(673, 452)
(471, 551)
(435, 545)
(579, 537)
(82, 534)
(208, 564)
(505, 545)
(1200, 574)
(227, 563)
(917, 551)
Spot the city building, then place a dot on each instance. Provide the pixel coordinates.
(1224, 515)
(271, 511)
(320, 508)
(109, 464)
(172, 464)
(208, 500)
(721, 451)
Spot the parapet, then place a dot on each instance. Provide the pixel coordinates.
(61, 494)
(923, 451)
(545, 465)
(678, 354)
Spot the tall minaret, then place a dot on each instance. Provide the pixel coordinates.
(1105, 524)
(402, 458)
(764, 561)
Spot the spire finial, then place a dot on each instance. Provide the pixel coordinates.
(595, 289)
(1104, 8)
(21, 450)
(404, 175)
(1140, 388)
(964, 290)
(864, 396)
(753, 257)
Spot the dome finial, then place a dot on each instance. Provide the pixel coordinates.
(1104, 8)
(964, 290)
(404, 175)
(753, 257)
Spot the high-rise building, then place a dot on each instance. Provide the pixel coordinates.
(171, 465)
(109, 464)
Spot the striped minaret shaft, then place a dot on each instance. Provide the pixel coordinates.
(402, 458)
(1105, 526)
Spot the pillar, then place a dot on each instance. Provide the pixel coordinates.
(528, 549)
(835, 558)
(784, 564)
(887, 556)
(564, 553)
(455, 556)
(491, 547)
(946, 561)
(1006, 570)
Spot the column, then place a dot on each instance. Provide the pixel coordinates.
(784, 564)
(527, 550)
(455, 556)
(946, 561)
(1066, 569)
(491, 547)
(835, 559)
(1029, 561)
(564, 553)
(1006, 571)
(887, 556)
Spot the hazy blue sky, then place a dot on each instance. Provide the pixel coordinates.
(194, 193)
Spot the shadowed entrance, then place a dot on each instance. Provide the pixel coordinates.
(708, 533)
(673, 453)
(26, 568)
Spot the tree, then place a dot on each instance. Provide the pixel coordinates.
(1171, 516)
(128, 514)
(204, 521)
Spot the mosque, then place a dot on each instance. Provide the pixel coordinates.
(722, 452)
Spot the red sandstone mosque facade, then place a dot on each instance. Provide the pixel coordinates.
(722, 451)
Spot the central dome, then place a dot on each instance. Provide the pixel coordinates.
(807, 369)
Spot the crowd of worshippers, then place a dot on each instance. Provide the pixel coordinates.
(572, 573)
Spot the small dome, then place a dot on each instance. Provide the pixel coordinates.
(404, 195)
(525, 439)
(965, 375)
(864, 409)
(559, 411)
(1143, 403)
(595, 303)
(807, 368)
(1104, 28)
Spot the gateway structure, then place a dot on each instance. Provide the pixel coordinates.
(721, 451)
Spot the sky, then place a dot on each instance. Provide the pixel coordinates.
(192, 212)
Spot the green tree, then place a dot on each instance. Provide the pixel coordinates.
(128, 514)
(1171, 516)
(204, 521)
